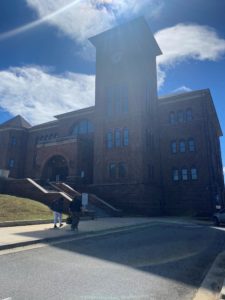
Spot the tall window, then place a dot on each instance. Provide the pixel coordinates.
(189, 115)
(180, 116)
(125, 137)
(122, 170)
(148, 99)
(112, 170)
(109, 140)
(184, 174)
(175, 175)
(109, 102)
(194, 174)
(117, 138)
(182, 146)
(124, 99)
(11, 163)
(90, 127)
(172, 117)
(191, 145)
(174, 147)
(117, 100)
(13, 140)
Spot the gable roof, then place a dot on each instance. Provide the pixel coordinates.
(16, 122)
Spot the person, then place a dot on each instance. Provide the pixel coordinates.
(75, 210)
(57, 207)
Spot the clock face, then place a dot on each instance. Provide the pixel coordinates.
(116, 57)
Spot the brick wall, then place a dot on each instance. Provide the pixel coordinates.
(131, 198)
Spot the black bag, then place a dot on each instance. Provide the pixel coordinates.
(69, 220)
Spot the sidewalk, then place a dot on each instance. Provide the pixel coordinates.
(11, 237)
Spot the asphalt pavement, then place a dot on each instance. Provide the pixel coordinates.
(160, 261)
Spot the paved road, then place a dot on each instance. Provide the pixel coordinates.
(157, 262)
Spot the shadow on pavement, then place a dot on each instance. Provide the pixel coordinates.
(181, 253)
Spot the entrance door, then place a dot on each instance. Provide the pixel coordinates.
(55, 169)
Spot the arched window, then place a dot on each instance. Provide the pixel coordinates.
(189, 115)
(182, 146)
(180, 116)
(117, 138)
(125, 137)
(122, 170)
(194, 173)
(172, 118)
(191, 145)
(174, 147)
(82, 127)
(184, 174)
(109, 140)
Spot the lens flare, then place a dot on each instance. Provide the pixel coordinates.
(36, 23)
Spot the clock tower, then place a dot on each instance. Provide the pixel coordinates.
(126, 105)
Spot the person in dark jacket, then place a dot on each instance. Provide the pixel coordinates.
(57, 207)
(75, 210)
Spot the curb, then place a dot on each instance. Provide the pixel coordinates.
(78, 235)
(211, 284)
(34, 222)
(222, 293)
(24, 223)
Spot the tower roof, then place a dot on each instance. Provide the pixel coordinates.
(136, 31)
(16, 122)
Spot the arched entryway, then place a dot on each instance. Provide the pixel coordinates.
(55, 169)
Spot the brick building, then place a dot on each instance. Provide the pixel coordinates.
(141, 152)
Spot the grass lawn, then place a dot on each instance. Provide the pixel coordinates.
(15, 208)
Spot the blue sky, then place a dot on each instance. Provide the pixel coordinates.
(47, 65)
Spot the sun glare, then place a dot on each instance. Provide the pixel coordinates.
(36, 23)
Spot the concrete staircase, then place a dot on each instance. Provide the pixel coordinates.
(50, 191)
(101, 208)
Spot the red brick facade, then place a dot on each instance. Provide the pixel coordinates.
(139, 152)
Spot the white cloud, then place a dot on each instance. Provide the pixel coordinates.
(224, 170)
(38, 95)
(181, 89)
(187, 41)
(27, 90)
(82, 19)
